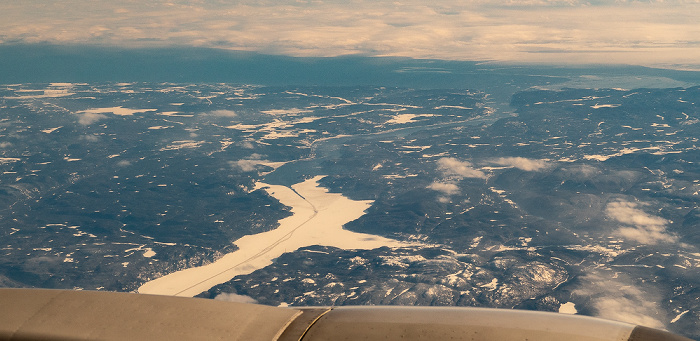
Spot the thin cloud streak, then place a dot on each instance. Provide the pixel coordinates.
(525, 31)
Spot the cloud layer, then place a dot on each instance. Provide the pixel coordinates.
(644, 32)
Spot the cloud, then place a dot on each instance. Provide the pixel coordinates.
(452, 167)
(250, 164)
(89, 118)
(90, 138)
(529, 165)
(230, 297)
(638, 225)
(566, 31)
(580, 171)
(223, 113)
(446, 188)
(123, 163)
(245, 165)
(616, 297)
(4, 145)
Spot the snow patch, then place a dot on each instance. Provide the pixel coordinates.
(148, 253)
(678, 317)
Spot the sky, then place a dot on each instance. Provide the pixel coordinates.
(655, 32)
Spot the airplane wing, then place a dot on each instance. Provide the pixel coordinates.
(45, 314)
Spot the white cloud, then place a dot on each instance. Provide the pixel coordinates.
(245, 165)
(4, 145)
(250, 164)
(89, 118)
(616, 297)
(452, 167)
(581, 171)
(566, 31)
(638, 225)
(247, 145)
(230, 297)
(529, 165)
(90, 138)
(446, 188)
(224, 113)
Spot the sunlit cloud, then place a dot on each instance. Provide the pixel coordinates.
(446, 188)
(89, 118)
(638, 225)
(580, 171)
(252, 163)
(566, 31)
(616, 297)
(245, 165)
(529, 165)
(230, 297)
(247, 145)
(451, 167)
(453, 170)
(223, 113)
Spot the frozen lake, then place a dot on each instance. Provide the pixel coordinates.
(317, 219)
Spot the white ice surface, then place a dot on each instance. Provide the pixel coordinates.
(317, 219)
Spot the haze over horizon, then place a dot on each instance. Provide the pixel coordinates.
(649, 33)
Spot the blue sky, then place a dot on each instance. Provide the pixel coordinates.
(654, 33)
